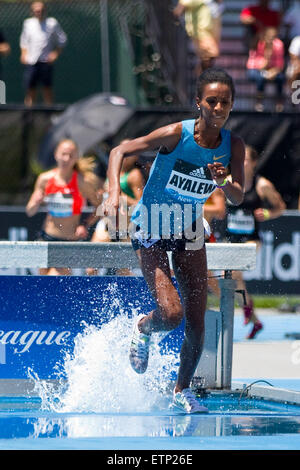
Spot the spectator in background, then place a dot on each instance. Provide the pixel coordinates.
(216, 9)
(4, 49)
(266, 64)
(42, 40)
(258, 17)
(203, 26)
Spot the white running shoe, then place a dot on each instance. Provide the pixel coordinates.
(187, 401)
(139, 349)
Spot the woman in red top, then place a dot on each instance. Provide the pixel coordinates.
(266, 64)
(256, 18)
(64, 190)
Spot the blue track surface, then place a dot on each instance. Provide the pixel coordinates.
(276, 327)
(232, 423)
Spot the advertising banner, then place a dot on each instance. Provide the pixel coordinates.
(42, 315)
(278, 259)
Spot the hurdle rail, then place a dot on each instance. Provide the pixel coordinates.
(216, 361)
(220, 256)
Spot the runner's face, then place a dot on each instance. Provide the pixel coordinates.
(215, 104)
(66, 155)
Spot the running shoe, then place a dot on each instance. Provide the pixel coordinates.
(248, 312)
(187, 402)
(139, 349)
(258, 326)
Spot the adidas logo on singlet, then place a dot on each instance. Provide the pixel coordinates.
(198, 172)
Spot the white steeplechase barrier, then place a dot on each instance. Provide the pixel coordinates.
(220, 256)
(41, 315)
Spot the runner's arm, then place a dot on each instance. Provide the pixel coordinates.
(233, 187)
(166, 137)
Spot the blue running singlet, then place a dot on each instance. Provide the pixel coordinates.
(179, 184)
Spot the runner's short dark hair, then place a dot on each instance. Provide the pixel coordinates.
(213, 75)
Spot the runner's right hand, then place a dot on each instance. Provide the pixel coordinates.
(110, 205)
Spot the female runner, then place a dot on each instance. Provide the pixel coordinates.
(261, 202)
(191, 162)
(64, 190)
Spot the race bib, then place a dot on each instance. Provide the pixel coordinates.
(241, 223)
(59, 205)
(189, 182)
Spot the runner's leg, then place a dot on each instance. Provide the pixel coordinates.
(190, 267)
(156, 270)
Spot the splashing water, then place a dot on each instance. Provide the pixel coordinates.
(97, 376)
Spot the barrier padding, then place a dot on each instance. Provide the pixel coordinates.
(41, 315)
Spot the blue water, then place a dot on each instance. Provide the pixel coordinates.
(232, 423)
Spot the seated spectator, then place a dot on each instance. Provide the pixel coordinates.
(266, 64)
(293, 69)
(258, 17)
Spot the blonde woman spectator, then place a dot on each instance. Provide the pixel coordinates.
(64, 190)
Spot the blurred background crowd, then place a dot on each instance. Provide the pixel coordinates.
(149, 51)
(134, 64)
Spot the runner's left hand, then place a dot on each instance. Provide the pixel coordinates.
(218, 171)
